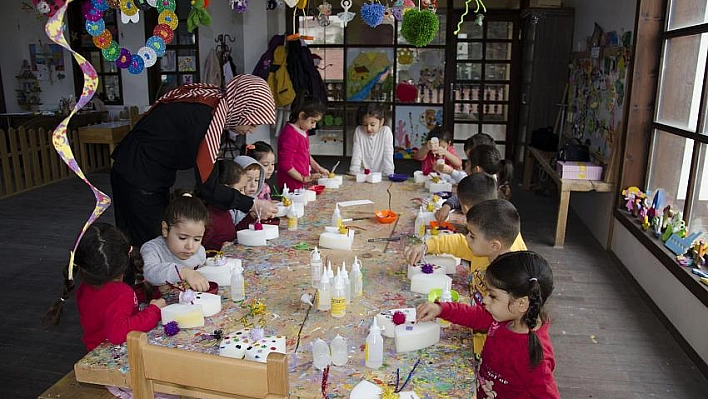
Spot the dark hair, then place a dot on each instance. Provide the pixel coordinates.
(229, 171)
(185, 206)
(309, 105)
(104, 254)
(257, 150)
(525, 273)
(497, 219)
(441, 133)
(477, 139)
(369, 109)
(476, 188)
(489, 159)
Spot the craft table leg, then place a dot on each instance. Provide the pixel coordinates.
(528, 169)
(562, 220)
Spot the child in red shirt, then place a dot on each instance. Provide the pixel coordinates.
(438, 147)
(221, 227)
(517, 359)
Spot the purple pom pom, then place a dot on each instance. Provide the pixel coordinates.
(372, 13)
(171, 328)
(426, 268)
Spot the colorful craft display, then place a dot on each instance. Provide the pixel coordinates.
(241, 344)
(446, 262)
(198, 15)
(210, 303)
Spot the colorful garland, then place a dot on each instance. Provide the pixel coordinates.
(154, 47)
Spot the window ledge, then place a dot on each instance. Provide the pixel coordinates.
(663, 255)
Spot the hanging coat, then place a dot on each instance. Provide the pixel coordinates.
(303, 73)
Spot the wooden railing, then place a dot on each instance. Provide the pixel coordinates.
(28, 159)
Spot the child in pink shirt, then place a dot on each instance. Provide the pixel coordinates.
(439, 146)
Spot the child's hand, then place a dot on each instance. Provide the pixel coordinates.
(427, 311)
(324, 171)
(195, 279)
(442, 213)
(160, 303)
(443, 168)
(267, 209)
(414, 254)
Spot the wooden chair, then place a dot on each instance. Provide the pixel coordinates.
(134, 115)
(180, 372)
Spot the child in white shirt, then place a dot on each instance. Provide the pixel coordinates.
(373, 142)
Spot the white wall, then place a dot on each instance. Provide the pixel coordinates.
(680, 306)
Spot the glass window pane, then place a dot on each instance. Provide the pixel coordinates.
(681, 82)
(499, 29)
(498, 133)
(498, 71)
(470, 30)
(439, 38)
(699, 209)
(412, 123)
(358, 32)
(112, 88)
(469, 71)
(684, 13)
(498, 51)
(369, 76)
(463, 131)
(496, 112)
(188, 79)
(669, 164)
(469, 51)
(330, 135)
(168, 61)
(424, 68)
(324, 30)
(108, 66)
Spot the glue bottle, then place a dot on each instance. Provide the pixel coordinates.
(238, 285)
(324, 293)
(320, 354)
(336, 217)
(340, 353)
(420, 224)
(357, 279)
(330, 273)
(292, 218)
(315, 267)
(446, 296)
(347, 283)
(373, 354)
(339, 301)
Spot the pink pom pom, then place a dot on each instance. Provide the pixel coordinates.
(399, 318)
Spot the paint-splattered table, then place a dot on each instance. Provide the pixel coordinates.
(279, 274)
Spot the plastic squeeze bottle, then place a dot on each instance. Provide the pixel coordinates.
(339, 301)
(320, 354)
(420, 224)
(446, 296)
(373, 354)
(340, 353)
(336, 217)
(347, 283)
(238, 284)
(357, 279)
(315, 267)
(324, 293)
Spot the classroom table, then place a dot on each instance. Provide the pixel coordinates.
(279, 274)
(110, 133)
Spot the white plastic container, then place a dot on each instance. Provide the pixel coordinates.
(238, 284)
(315, 267)
(373, 353)
(339, 351)
(324, 293)
(321, 357)
(357, 279)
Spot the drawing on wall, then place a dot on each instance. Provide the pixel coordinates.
(369, 74)
(49, 55)
(411, 126)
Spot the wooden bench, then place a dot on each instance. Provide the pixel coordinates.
(565, 187)
(69, 388)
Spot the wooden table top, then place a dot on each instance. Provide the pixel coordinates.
(279, 274)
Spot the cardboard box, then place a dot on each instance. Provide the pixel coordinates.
(545, 3)
(579, 170)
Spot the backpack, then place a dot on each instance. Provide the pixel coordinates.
(262, 68)
(279, 80)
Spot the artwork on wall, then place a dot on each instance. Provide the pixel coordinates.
(412, 124)
(369, 74)
(48, 55)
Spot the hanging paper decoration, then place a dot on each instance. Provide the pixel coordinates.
(239, 6)
(480, 17)
(419, 27)
(400, 7)
(345, 16)
(325, 12)
(155, 46)
(198, 15)
(372, 13)
(48, 7)
(55, 30)
(129, 12)
(430, 5)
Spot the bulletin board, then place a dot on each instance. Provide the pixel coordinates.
(597, 91)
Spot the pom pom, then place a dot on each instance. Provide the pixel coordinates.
(367, 171)
(257, 334)
(258, 226)
(399, 318)
(419, 27)
(426, 268)
(187, 296)
(171, 328)
(372, 13)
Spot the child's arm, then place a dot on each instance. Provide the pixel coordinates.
(422, 152)
(451, 157)
(454, 244)
(155, 270)
(319, 169)
(475, 317)
(388, 167)
(120, 319)
(356, 166)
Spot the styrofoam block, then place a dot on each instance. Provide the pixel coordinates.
(416, 269)
(271, 230)
(384, 320)
(329, 183)
(258, 351)
(337, 240)
(442, 186)
(423, 283)
(251, 238)
(186, 315)
(412, 337)
(365, 390)
(210, 303)
(445, 261)
(373, 177)
(219, 273)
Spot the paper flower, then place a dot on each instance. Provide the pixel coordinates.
(171, 328)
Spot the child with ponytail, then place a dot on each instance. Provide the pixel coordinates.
(517, 360)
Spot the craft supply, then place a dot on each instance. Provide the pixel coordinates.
(332, 183)
(440, 186)
(186, 315)
(338, 300)
(330, 274)
(238, 284)
(373, 352)
(315, 267)
(339, 351)
(422, 283)
(419, 177)
(374, 177)
(235, 344)
(259, 350)
(210, 303)
(385, 320)
(337, 240)
(447, 262)
(293, 216)
(380, 239)
(220, 274)
(357, 279)
(360, 177)
(412, 337)
(271, 231)
(365, 390)
(321, 356)
(336, 217)
(251, 238)
(699, 273)
(324, 293)
(419, 224)
(298, 197)
(446, 296)
(347, 284)
(427, 268)
(345, 204)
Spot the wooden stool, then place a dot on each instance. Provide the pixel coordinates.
(68, 387)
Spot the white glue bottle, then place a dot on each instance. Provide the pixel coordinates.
(357, 279)
(420, 224)
(315, 267)
(320, 354)
(324, 293)
(446, 296)
(330, 273)
(339, 350)
(373, 354)
(339, 301)
(336, 217)
(238, 284)
(347, 283)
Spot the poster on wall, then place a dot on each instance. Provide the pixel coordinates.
(369, 74)
(412, 124)
(49, 55)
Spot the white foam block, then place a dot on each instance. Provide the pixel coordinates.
(365, 390)
(423, 283)
(412, 337)
(271, 230)
(385, 320)
(360, 177)
(211, 303)
(298, 198)
(336, 240)
(311, 195)
(258, 351)
(186, 315)
(408, 395)
(442, 186)
(251, 238)
(220, 274)
(235, 344)
(329, 183)
(419, 177)
(282, 210)
(373, 177)
(445, 261)
(416, 269)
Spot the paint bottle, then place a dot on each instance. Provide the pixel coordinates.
(339, 301)
(324, 293)
(446, 296)
(339, 350)
(238, 284)
(336, 217)
(315, 267)
(373, 353)
(330, 274)
(292, 219)
(347, 283)
(357, 280)
(420, 224)
(321, 357)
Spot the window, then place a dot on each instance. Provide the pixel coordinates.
(678, 154)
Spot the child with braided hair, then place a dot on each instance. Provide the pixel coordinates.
(517, 360)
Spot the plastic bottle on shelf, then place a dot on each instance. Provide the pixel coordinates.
(446, 296)
(321, 357)
(336, 217)
(373, 354)
(324, 293)
(357, 279)
(238, 284)
(339, 301)
(339, 350)
(315, 267)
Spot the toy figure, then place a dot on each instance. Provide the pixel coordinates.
(645, 223)
(699, 250)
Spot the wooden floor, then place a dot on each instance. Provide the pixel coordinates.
(607, 341)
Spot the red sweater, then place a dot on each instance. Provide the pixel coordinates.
(220, 229)
(293, 152)
(110, 312)
(430, 160)
(505, 370)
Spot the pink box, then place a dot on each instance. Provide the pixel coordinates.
(579, 170)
